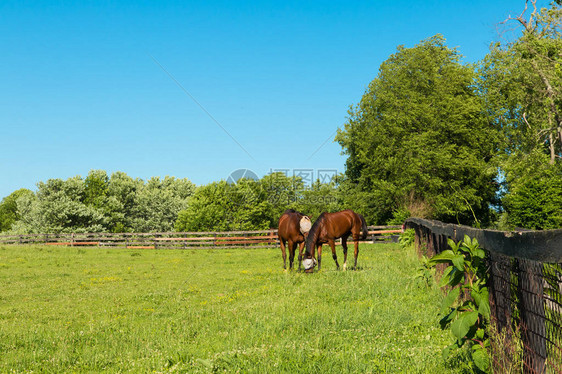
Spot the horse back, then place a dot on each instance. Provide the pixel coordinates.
(345, 222)
(289, 227)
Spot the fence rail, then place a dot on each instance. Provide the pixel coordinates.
(525, 285)
(208, 239)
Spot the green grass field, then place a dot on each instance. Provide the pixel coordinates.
(223, 310)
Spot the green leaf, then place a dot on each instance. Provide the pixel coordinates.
(454, 246)
(447, 351)
(460, 327)
(450, 299)
(484, 306)
(444, 322)
(458, 261)
(480, 358)
(445, 256)
(446, 277)
(456, 277)
(476, 295)
(480, 334)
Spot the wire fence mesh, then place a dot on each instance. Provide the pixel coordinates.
(525, 284)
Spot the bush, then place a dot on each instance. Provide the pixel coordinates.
(535, 202)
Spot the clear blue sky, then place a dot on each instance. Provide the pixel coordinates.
(81, 90)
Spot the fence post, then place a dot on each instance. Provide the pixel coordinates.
(533, 329)
(500, 292)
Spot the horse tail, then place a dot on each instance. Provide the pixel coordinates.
(363, 227)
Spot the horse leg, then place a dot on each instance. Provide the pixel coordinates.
(301, 246)
(283, 254)
(356, 253)
(319, 255)
(332, 245)
(292, 248)
(344, 245)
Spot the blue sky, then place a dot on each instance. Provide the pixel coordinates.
(84, 86)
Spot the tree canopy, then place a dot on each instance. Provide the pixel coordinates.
(419, 140)
(254, 204)
(521, 83)
(99, 203)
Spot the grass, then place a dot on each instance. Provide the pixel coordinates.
(227, 310)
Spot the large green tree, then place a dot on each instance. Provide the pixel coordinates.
(244, 205)
(62, 209)
(521, 83)
(158, 203)
(100, 203)
(9, 213)
(419, 140)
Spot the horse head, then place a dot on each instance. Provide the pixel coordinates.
(309, 263)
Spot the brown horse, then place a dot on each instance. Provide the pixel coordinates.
(292, 231)
(329, 227)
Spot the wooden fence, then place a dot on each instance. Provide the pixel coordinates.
(525, 285)
(256, 238)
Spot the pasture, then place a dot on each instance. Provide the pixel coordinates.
(68, 309)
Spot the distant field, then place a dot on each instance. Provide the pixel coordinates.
(227, 310)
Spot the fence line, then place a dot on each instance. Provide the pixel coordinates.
(525, 285)
(205, 239)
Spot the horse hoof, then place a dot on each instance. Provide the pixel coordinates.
(344, 267)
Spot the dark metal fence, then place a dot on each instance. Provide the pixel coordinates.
(525, 284)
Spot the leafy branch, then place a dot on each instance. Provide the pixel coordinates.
(466, 307)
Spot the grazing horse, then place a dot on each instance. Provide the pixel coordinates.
(293, 228)
(329, 227)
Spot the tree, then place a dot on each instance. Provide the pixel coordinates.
(158, 203)
(253, 205)
(535, 202)
(9, 213)
(536, 58)
(100, 204)
(319, 198)
(122, 191)
(62, 209)
(521, 83)
(96, 187)
(419, 140)
(205, 209)
(220, 206)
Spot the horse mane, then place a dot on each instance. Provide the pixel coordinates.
(313, 234)
(289, 211)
